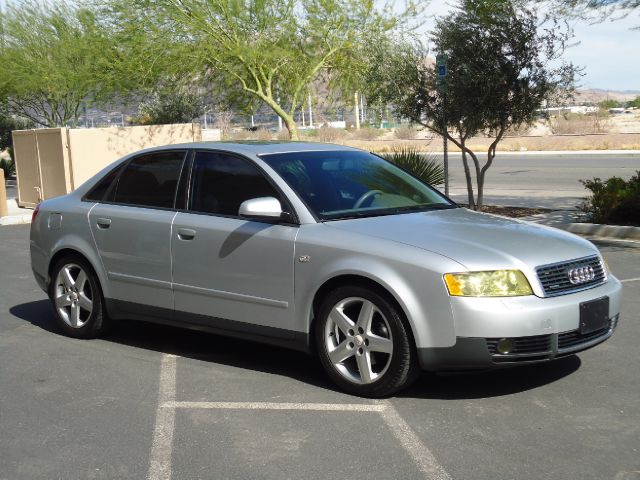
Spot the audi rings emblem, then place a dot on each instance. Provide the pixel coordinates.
(581, 275)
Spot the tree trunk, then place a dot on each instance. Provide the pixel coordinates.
(290, 123)
(467, 174)
(287, 118)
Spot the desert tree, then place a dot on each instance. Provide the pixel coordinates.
(502, 67)
(269, 51)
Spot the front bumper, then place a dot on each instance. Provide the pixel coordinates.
(482, 354)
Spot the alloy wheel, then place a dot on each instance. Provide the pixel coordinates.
(358, 340)
(73, 295)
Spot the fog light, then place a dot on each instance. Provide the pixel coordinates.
(505, 345)
(614, 321)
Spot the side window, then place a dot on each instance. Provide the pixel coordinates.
(150, 180)
(221, 182)
(97, 192)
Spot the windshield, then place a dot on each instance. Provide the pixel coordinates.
(348, 184)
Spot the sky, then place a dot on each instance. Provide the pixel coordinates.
(608, 51)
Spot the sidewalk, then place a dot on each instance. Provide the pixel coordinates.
(17, 215)
(574, 221)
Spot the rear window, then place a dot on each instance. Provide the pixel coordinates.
(150, 180)
(97, 193)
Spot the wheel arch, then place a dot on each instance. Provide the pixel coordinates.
(357, 279)
(94, 263)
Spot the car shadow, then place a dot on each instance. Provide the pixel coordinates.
(492, 383)
(300, 366)
(193, 344)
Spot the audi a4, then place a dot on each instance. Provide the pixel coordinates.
(321, 248)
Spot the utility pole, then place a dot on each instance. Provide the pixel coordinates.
(441, 65)
(310, 113)
(357, 110)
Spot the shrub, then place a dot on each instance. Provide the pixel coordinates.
(8, 166)
(366, 133)
(613, 201)
(423, 166)
(405, 132)
(578, 123)
(330, 134)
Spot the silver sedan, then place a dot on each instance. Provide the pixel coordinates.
(321, 248)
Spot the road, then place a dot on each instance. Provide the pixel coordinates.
(123, 406)
(542, 180)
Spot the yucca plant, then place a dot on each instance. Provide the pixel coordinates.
(8, 166)
(424, 166)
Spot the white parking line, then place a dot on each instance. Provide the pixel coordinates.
(630, 280)
(421, 455)
(162, 445)
(332, 407)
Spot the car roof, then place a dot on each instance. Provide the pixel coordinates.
(257, 147)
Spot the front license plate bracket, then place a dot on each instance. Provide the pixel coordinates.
(594, 315)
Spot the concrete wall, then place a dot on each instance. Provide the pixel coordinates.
(54, 161)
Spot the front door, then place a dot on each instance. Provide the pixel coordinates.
(230, 272)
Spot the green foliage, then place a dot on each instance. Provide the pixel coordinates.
(613, 201)
(171, 107)
(425, 167)
(267, 51)
(607, 104)
(634, 103)
(501, 68)
(55, 58)
(591, 10)
(8, 166)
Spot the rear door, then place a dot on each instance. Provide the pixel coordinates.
(230, 272)
(132, 231)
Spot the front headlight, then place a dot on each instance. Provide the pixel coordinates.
(496, 283)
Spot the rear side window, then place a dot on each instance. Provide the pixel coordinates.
(97, 193)
(221, 182)
(150, 180)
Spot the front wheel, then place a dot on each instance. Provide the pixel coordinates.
(364, 343)
(76, 298)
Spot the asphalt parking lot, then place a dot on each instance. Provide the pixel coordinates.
(158, 402)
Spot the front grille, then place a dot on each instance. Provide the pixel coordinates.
(523, 345)
(555, 277)
(573, 339)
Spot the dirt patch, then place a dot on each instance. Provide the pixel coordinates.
(514, 212)
(605, 141)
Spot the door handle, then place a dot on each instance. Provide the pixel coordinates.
(186, 234)
(104, 223)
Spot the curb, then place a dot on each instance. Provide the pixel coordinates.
(606, 231)
(15, 220)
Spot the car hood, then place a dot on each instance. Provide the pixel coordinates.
(476, 240)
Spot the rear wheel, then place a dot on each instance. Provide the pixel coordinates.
(364, 343)
(77, 299)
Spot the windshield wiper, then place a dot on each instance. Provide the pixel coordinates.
(388, 211)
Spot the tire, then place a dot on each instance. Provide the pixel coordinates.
(364, 343)
(76, 298)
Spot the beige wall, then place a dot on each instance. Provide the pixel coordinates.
(51, 162)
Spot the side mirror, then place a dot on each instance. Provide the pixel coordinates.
(264, 207)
